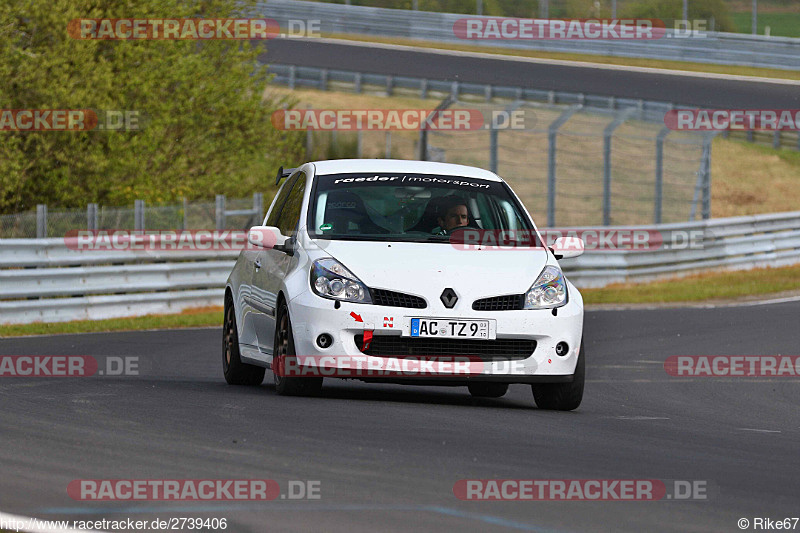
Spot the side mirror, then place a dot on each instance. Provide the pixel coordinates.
(266, 237)
(567, 247)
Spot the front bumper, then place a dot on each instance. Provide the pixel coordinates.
(313, 316)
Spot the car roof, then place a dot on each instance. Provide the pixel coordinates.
(348, 166)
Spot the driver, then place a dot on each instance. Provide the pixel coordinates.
(451, 213)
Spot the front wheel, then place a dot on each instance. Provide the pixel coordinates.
(236, 372)
(562, 396)
(284, 349)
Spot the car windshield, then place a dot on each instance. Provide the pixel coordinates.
(411, 207)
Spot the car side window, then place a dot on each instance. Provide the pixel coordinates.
(290, 214)
(272, 219)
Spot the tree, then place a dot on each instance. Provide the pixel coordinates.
(204, 119)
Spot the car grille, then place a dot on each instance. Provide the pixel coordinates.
(511, 302)
(397, 299)
(499, 349)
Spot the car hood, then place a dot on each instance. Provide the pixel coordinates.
(426, 269)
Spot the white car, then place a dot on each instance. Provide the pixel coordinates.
(390, 271)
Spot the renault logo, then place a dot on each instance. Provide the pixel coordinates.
(449, 298)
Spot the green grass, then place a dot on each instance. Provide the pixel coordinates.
(780, 24)
(701, 287)
(188, 319)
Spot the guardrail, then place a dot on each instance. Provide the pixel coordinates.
(709, 47)
(735, 243)
(649, 110)
(330, 79)
(45, 280)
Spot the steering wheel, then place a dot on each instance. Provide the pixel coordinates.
(468, 226)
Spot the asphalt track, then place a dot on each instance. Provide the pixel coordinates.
(442, 65)
(388, 456)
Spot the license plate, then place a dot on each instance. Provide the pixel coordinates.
(444, 328)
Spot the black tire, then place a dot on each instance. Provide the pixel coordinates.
(487, 389)
(236, 372)
(283, 349)
(563, 396)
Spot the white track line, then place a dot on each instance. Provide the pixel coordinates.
(35, 525)
(559, 62)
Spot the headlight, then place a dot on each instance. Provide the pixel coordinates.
(548, 291)
(330, 279)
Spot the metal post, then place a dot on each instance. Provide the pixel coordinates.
(323, 79)
(41, 221)
(776, 139)
(388, 153)
(493, 135)
(423, 89)
(357, 82)
(707, 176)
(389, 85)
(479, 7)
(488, 92)
(359, 143)
(423, 132)
(220, 211)
(607, 133)
(309, 144)
(686, 10)
(138, 215)
(613, 9)
(544, 9)
(754, 18)
(91, 217)
(552, 135)
(292, 76)
(493, 148)
(185, 214)
(659, 195)
(454, 90)
(702, 187)
(258, 207)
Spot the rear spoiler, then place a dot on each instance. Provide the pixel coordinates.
(283, 173)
